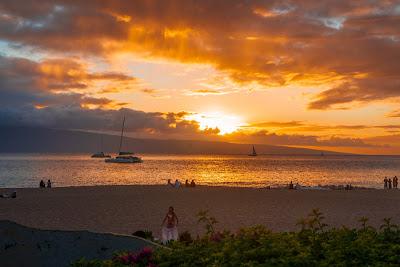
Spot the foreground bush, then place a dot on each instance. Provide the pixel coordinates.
(313, 245)
(144, 234)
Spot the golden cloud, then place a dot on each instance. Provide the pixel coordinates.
(348, 46)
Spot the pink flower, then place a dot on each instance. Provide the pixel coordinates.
(217, 237)
(133, 258)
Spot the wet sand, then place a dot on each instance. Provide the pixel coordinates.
(125, 209)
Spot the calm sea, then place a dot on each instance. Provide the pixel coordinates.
(26, 170)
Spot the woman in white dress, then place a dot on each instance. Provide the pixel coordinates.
(169, 226)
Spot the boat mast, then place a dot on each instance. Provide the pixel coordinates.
(122, 134)
(101, 143)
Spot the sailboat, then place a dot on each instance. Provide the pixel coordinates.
(101, 153)
(254, 153)
(123, 156)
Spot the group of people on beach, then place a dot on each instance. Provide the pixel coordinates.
(292, 186)
(43, 185)
(178, 184)
(390, 183)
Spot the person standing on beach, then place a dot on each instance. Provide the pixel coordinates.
(390, 183)
(291, 185)
(395, 182)
(170, 226)
(385, 183)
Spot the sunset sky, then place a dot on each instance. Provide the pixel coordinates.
(319, 74)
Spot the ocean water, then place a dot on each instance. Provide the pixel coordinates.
(26, 170)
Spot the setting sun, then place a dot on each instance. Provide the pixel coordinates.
(224, 122)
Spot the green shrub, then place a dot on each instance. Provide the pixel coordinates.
(313, 245)
(144, 234)
(208, 221)
(185, 238)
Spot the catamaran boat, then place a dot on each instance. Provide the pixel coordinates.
(254, 153)
(124, 157)
(101, 154)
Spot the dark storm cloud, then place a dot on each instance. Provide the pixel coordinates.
(76, 117)
(39, 94)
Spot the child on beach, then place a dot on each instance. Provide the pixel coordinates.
(169, 226)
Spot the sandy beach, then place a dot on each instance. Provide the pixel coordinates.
(125, 209)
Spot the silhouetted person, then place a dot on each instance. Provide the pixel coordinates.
(169, 226)
(385, 183)
(42, 184)
(187, 183)
(395, 182)
(48, 183)
(169, 183)
(177, 183)
(390, 183)
(291, 185)
(193, 184)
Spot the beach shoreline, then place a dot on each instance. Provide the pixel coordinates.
(126, 209)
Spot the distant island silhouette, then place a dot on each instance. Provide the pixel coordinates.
(44, 140)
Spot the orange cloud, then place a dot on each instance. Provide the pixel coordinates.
(55, 82)
(271, 43)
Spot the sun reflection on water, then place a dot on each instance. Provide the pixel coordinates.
(73, 170)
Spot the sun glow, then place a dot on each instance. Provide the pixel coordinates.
(224, 122)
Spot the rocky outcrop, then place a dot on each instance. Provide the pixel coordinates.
(23, 246)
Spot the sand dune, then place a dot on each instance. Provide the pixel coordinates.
(125, 209)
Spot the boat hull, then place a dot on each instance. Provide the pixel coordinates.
(124, 160)
(98, 156)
